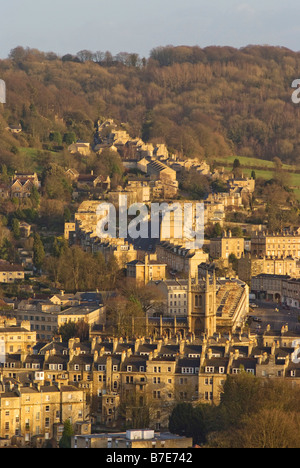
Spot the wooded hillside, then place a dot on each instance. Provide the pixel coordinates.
(211, 102)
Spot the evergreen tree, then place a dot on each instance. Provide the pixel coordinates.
(65, 441)
(38, 251)
(16, 228)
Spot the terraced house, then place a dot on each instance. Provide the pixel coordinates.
(112, 382)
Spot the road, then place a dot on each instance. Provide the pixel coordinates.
(266, 312)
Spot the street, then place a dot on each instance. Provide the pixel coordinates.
(267, 313)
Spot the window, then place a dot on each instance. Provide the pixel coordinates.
(209, 370)
(208, 381)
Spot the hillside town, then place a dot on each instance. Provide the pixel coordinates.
(166, 324)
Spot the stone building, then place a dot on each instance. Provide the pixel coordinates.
(108, 377)
(276, 244)
(16, 338)
(179, 258)
(202, 305)
(268, 287)
(144, 271)
(32, 411)
(249, 266)
(223, 247)
(291, 292)
(10, 273)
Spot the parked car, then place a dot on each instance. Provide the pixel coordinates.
(257, 319)
(254, 306)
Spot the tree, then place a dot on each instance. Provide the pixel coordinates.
(38, 251)
(69, 138)
(16, 228)
(236, 164)
(56, 138)
(217, 230)
(35, 197)
(74, 330)
(269, 429)
(68, 432)
(193, 421)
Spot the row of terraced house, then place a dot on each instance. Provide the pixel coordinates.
(103, 381)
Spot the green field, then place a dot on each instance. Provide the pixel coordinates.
(252, 163)
(35, 162)
(263, 169)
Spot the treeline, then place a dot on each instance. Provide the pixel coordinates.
(204, 103)
(72, 269)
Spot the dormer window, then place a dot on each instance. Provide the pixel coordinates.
(209, 370)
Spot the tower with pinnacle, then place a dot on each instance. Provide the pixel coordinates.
(202, 305)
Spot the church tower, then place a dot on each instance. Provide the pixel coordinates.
(202, 308)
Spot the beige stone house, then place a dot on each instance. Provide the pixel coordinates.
(92, 315)
(275, 244)
(10, 273)
(16, 338)
(223, 247)
(81, 147)
(33, 411)
(252, 266)
(145, 271)
(180, 259)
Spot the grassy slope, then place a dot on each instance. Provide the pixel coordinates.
(265, 170)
